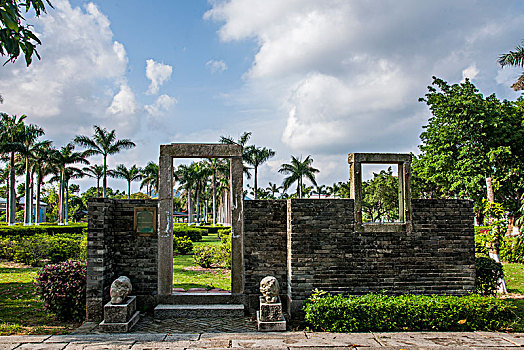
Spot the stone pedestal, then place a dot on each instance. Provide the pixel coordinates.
(270, 317)
(120, 318)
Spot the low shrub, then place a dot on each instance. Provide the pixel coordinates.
(482, 241)
(223, 255)
(62, 287)
(488, 274)
(183, 244)
(31, 250)
(377, 312)
(7, 248)
(224, 234)
(195, 234)
(50, 229)
(204, 255)
(62, 247)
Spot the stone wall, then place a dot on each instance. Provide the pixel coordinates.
(114, 249)
(323, 250)
(265, 246)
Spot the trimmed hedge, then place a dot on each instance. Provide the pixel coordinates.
(183, 245)
(377, 312)
(195, 234)
(50, 229)
(33, 250)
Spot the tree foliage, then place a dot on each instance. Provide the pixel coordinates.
(380, 197)
(469, 139)
(16, 37)
(514, 58)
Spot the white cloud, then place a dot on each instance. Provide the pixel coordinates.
(216, 66)
(346, 75)
(124, 102)
(471, 72)
(158, 73)
(163, 104)
(61, 92)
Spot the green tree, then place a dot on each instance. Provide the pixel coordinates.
(320, 190)
(273, 189)
(16, 36)
(514, 58)
(187, 179)
(128, 174)
(257, 156)
(242, 141)
(150, 178)
(297, 170)
(11, 132)
(104, 143)
(380, 197)
(218, 167)
(97, 172)
(63, 160)
(470, 143)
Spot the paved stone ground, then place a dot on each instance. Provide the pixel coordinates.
(286, 340)
(147, 324)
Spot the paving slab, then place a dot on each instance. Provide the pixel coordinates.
(83, 338)
(156, 346)
(23, 338)
(514, 338)
(178, 337)
(254, 335)
(42, 346)
(440, 339)
(8, 346)
(100, 346)
(338, 339)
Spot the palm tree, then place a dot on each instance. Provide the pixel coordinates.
(201, 175)
(11, 131)
(186, 175)
(216, 165)
(104, 143)
(43, 167)
(96, 172)
(242, 141)
(150, 178)
(62, 159)
(129, 174)
(297, 169)
(514, 58)
(29, 137)
(320, 190)
(273, 188)
(257, 156)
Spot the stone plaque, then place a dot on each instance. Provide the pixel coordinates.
(145, 221)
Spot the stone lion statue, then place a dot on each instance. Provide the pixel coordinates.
(269, 288)
(120, 289)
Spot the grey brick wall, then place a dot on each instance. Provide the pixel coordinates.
(323, 250)
(265, 246)
(114, 249)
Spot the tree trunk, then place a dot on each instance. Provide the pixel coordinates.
(37, 218)
(214, 199)
(32, 218)
(60, 199)
(197, 206)
(97, 187)
(104, 182)
(255, 181)
(189, 209)
(7, 201)
(66, 203)
(129, 190)
(489, 188)
(27, 204)
(12, 191)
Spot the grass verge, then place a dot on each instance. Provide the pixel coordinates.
(22, 310)
(186, 274)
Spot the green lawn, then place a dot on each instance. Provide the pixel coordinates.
(22, 311)
(514, 277)
(186, 274)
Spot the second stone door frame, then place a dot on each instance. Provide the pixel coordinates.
(165, 208)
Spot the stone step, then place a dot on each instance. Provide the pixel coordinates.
(201, 298)
(166, 311)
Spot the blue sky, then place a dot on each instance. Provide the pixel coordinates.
(307, 77)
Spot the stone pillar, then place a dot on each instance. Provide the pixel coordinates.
(401, 193)
(237, 221)
(165, 225)
(407, 192)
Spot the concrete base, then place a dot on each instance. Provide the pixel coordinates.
(123, 327)
(274, 326)
(163, 311)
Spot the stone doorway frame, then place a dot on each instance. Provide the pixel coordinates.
(165, 208)
(403, 161)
